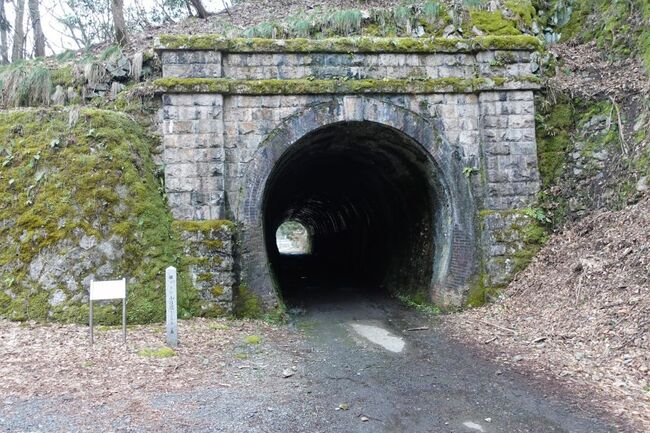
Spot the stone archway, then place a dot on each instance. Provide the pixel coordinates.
(405, 142)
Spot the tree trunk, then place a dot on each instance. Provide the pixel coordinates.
(4, 28)
(117, 7)
(200, 10)
(19, 32)
(39, 37)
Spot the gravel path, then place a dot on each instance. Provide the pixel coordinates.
(320, 374)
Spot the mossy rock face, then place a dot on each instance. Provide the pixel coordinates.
(81, 202)
(247, 304)
(619, 28)
(493, 23)
(514, 238)
(583, 162)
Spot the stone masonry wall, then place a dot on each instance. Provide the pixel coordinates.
(211, 139)
(209, 262)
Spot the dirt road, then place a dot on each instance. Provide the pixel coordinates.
(354, 367)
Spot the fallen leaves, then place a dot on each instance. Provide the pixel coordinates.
(580, 312)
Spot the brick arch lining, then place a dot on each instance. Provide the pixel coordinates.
(454, 262)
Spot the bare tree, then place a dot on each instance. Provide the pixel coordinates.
(17, 52)
(117, 8)
(200, 9)
(39, 37)
(4, 28)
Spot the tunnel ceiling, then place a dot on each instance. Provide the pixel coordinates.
(365, 193)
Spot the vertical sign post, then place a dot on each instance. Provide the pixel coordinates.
(172, 313)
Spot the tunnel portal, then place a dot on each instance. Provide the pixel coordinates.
(410, 163)
(366, 194)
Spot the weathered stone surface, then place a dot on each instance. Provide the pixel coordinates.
(221, 148)
(209, 251)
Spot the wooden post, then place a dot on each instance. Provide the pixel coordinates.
(172, 307)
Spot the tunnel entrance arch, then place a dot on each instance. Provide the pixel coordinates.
(382, 192)
(373, 204)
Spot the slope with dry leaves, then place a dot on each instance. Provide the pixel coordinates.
(580, 312)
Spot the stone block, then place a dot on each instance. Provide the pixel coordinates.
(192, 70)
(191, 57)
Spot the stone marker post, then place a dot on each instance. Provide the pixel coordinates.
(172, 307)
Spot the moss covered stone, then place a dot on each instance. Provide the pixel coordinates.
(520, 235)
(81, 202)
(247, 304)
(493, 23)
(203, 226)
(335, 86)
(504, 41)
(523, 10)
(553, 141)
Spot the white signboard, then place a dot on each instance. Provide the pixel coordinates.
(102, 290)
(105, 290)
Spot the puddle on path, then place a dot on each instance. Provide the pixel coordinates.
(378, 335)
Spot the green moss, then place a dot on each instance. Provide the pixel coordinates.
(334, 86)
(247, 304)
(480, 293)
(214, 244)
(204, 278)
(618, 28)
(163, 352)
(504, 38)
(523, 9)
(493, 23)
(553, 128)
(64, 76)
(524, 235)
(203, 226)
(218, 326)
(253, 339)
(217, 291)
(534, 236)
(496, 42)
(419, 301)
(372, 30)
(66, 184)
(212, 310)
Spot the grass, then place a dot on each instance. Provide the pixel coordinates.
(345, 22)
(26, 84)
(421, 307)
(300, 27)
(431, 11)
(253, 339)
(217, 326)
(163, 352)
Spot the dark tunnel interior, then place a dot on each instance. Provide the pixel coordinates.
(364, 192)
